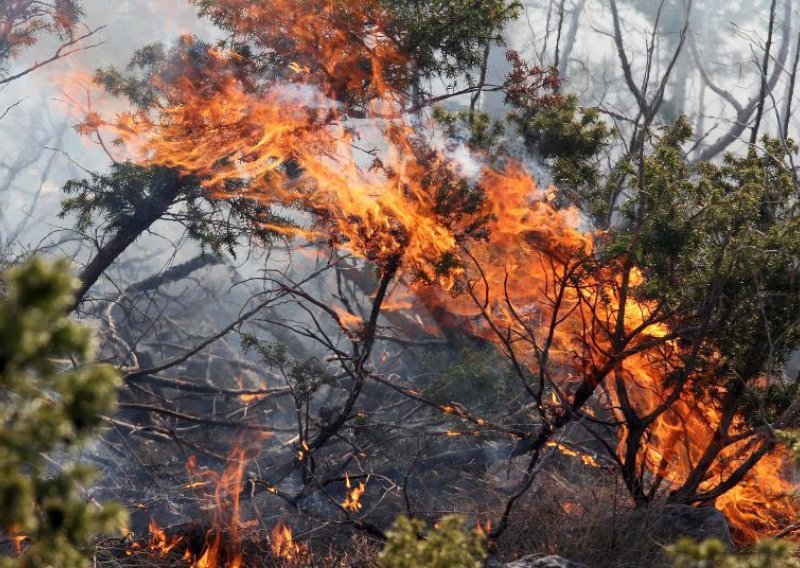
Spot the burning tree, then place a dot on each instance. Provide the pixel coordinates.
(651, 305)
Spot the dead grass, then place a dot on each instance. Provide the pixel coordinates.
(358, 551)
(588, 521)
(584, 516)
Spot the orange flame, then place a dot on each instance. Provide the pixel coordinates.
(160, 544)
(18, 541)
(223, 490)
(350, 322)
(251, 398)
(567, 451)
(283, 544)
(352, 500)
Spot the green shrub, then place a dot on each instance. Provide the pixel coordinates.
(449, 545)
(51, 398)
(714, 554)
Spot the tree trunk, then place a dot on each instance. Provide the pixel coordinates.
(166, 190)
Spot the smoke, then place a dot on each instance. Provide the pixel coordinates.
(39, 150)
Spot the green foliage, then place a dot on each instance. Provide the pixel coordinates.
(130, 197)
(305, 377)
(719, 245)
(447, 38)
(45, 407)
(273, 354)
(764, 405)
(714, 554)
(449, 545)
(477, 130)
(571, 139)
(791, 440)
(114, 197)
(471, 376)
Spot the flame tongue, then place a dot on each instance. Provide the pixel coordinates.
(221, 492)
(352, 501)
(283, 543)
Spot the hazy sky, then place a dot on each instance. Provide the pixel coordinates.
(39, 150)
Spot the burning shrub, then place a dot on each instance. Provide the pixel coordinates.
(45, 408)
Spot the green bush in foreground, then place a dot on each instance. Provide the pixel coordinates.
(51, 398)
(714, 554)
(448, 545)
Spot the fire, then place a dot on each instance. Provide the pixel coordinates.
(303, 451)
(382, 211)
(513, 255)
(223, 542)
(352, 500)
(159, 543)
(284, 545)
(350, 322)
(18, 542)
(162, 546)
(253, 397)
(567, 451)
(209, 557)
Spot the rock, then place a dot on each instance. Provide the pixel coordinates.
(538, 561)
(541, 561)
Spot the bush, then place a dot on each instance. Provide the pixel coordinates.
(714, 554)
(46, 407)
(449, 545)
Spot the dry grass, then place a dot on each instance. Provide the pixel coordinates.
(585, 516)
(358, 551)
(588, 520)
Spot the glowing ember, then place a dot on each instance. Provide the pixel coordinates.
(303, 451)
(567, 451)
